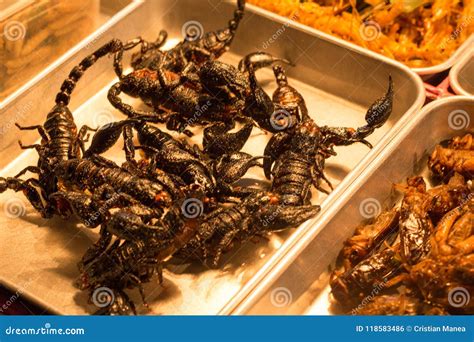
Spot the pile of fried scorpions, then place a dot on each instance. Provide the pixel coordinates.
(177, 200)
(418, 257)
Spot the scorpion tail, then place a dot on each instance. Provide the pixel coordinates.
(378, 113)
(64, 96)
(238, 15)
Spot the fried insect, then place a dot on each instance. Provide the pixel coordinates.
(458, 157)
(369, 236)
(298, 153)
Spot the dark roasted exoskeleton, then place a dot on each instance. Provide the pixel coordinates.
(60, 140)
(225, 226)
(298, 152)
(194, 49)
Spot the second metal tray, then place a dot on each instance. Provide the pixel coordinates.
(338, 83)
(461, 75)
(299, 282)
(425, 72)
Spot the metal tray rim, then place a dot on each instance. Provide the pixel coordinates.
(425, 71)
(455, 71)
(288, 254)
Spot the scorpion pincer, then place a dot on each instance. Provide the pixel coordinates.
(213, 176)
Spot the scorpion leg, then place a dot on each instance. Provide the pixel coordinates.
(116, 101)
(82, 138)
(38, 147)
(40, 129)
(99, 247)
(32, 191)
(118, 68)
(225, 241)
(32, 169)
(217, 141)
(139, 58)
(129, 146)
(178, 124)
(279, 217)
(317, 173)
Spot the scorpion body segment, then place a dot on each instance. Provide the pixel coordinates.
(192, 49)
(298, 153)
(85, 174)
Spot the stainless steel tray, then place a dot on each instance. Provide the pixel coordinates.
(424, 72)
(461, 76)
(338, 82)
(298, 283)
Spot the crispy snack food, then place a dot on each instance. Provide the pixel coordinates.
(418, 257)
(419, 33)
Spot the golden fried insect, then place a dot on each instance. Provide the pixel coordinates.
(368, 236)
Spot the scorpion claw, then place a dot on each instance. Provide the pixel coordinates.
(230, 168)
(217, 141)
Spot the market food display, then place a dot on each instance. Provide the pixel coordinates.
(419, 33)
(179, 200)
(416, 258)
